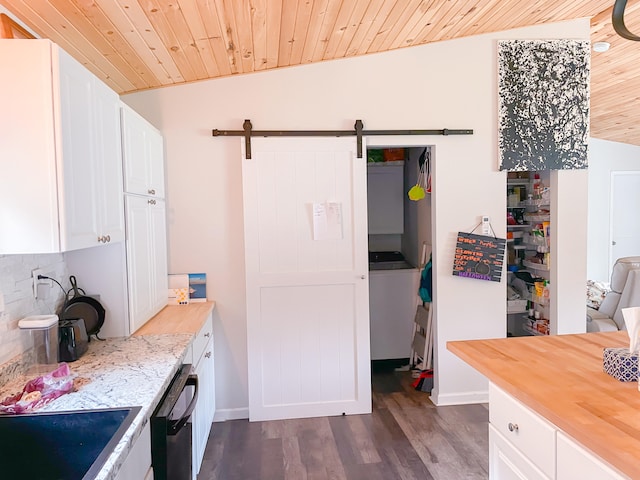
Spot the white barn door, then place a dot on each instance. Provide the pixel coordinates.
(305, 220)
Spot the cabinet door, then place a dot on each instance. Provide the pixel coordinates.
(158, 249)
(146, 258)
(205, 408)
(143, 155)
(76, 197)
(135, 152)
(507, 463)
(138, 462)
(156, 162)
(91, 191)
(139, 260)
(527, 431)
(108, 156)
(28, 148)
(576, 463)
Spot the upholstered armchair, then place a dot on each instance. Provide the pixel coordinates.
(625, 292)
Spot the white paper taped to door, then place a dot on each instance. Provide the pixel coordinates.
(327, 221)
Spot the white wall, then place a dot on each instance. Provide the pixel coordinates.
(568, 251)
(605, 157)
(444, 85)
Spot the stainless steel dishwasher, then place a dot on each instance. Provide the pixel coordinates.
(171, 429)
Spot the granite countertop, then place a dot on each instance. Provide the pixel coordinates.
(121, 372)
(561, 378)
(127, 372)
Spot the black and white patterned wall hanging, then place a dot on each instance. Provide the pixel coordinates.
(543, 92)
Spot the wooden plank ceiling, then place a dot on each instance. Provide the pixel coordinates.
(135, 45)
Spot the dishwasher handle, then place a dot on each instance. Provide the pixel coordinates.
(175, 426)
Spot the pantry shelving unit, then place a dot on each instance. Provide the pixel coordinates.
(528, 250)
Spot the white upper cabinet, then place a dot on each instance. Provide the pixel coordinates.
(143, 155)
(61, 153)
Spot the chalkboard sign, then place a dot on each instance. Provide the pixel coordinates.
(479, 257)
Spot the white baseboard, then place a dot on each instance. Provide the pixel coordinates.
(465, 398)
(222, 415)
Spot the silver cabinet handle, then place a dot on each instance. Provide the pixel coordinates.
(151, 191)
(151, 202)
(208, 354)
(108, 238)
(208, 334)
(513, 427)
(362, 277)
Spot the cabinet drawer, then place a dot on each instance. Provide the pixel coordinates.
(577, 463)
(524, 429)
(202, 338)
(507, 463)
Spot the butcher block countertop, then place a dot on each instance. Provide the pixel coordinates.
(561, 378)
(174, 319)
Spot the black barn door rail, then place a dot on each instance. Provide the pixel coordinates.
(358, 132)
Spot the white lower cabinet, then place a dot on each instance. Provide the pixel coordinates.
(507, 463)
(202, 417)
(577, 463)
(137, 466)
(525, 446)
(524, 429)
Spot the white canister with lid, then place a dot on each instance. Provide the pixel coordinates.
(40, 343)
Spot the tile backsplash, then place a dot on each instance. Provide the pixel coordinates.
(16, 285)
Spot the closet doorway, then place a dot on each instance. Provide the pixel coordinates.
(397, 228)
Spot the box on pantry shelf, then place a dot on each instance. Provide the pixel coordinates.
(620, 364)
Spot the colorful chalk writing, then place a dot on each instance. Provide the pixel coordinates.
(479, 257)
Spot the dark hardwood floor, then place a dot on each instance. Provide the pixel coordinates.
(406, 437)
